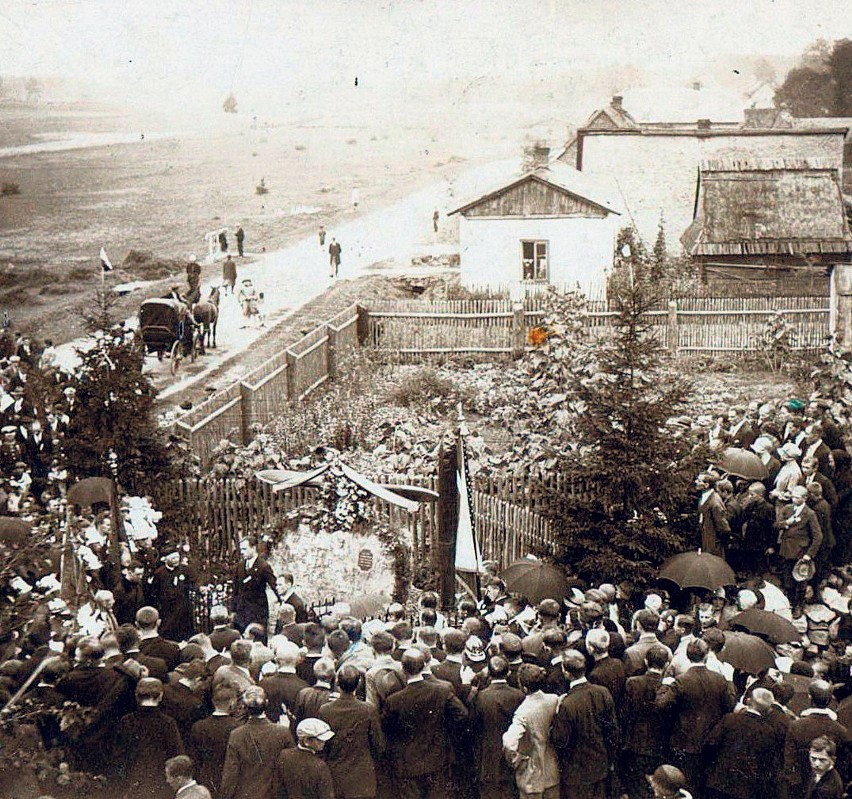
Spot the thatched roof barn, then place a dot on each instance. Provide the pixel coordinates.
(756, 215)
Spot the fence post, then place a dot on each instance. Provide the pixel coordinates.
(331, 345)
(519, 333)
(363, 324)
(674, 335)
(292, 365)
(247, 415)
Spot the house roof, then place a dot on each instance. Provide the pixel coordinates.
(778, 206)
(561, 177)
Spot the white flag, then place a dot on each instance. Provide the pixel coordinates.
(468, 556)
(106, 264)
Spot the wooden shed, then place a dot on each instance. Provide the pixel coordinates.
(551, 225)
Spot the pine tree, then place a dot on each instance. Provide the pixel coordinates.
(639, 474)
(658, 259)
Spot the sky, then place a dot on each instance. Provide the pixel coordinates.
(189, 53)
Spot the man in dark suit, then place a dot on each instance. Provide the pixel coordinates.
(742, 753)
(741, 431)
(147, 738)
(309, 700)
(816, 720)
(169, 589)
(182, 699)
(420, 722)
(358, 741)
(129, 641)
(208, 738)
(287, 593)
(824, 782)
(302, 773)
(252, 578)
(223, 633)
(715, 529)
(815, 447)
(179, 776)
(450, 669)
(606, 671)
(153, 644)
(800, 536)
(643, 732)
(584, 733)
(694, 703)
(251, 759)
(755, 531)
(811, 474)
(283, 687)
(491, 714)
(129, 591)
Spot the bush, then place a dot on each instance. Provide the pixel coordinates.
(8, 189)
(427, 387)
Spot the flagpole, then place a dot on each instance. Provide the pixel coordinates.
(462, 459)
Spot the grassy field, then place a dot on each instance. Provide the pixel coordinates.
(164, 194)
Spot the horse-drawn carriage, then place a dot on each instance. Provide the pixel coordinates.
(167, 326)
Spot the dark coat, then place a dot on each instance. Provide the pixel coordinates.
(303, 775)
(715, 528)
(208, 742)
(419, 723)
(450, 671)
(159, 647)
(251, 760)
(610, 674)
(169, 590)
(743, 757)
(585, 736)
(129, 597)
(745, 436)
(804, 536)
(829, 787)
(281, 689)
(157, 667)
(250, 602)
(183, 706)
(800, 733)
(309, 701)
(757, 520)
(222, 638)
(357, 745)
(695, 703)
(643, 730)
(490, 716)
(305, 667)
(299, 606)
(147, 738)
(829, 492)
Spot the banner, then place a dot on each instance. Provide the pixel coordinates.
(468, 556)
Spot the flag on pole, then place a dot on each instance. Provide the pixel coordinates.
(468, 556)
(106, 264)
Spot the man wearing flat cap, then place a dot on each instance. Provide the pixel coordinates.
(302, 773)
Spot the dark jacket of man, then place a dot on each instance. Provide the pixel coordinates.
(804, 536)
(251, 760)
(250, 603)
(129, 597)
(609, 673)
(829, 492)
(281, 689)
(585, 736)
(757, 520)
(183, 706)
(357, 745)
(715, 528)
(147, 738)
(450, 671)
(305, 667)
(695, 703)
(310, 700)
(298, 605)
(801, 732)
(419, 723)
(159, 647)
(170, 591)
(490, 715)
(829, 787)
(304, 775)
(222, 637)
(743, 756)
(643, 729)
(208, 741)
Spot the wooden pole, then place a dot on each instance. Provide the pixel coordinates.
(448, 519)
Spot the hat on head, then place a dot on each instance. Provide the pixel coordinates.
(314, 728)
(804, 570)
(795, 405)
(667, 779)
(597, 596)
(474, 649)
(575, 597)
(789, 451)
(192, 670)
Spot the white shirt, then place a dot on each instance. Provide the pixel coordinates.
(188, 785)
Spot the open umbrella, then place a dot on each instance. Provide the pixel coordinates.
(742, 463)
(697, 570)
(14, 531)
(747, 653)
(535, 579)
(369, 605)
(90, 491)
(774, 628)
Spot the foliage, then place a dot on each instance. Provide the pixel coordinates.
(230, 104)
(658, 257)
(776, 342)
(426, 386)
(7, 189)
(821, 85)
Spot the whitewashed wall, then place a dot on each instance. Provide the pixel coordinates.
(580, 249)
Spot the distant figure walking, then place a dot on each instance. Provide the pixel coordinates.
(223, 240)
(229, 274)
(334, 250)
(356, 197)
(239, 235)
(435, 217)
(248, 300)
(322, 235)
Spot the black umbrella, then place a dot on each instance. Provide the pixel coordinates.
(90, 491)
(697, 570)
(742, 463)
(774, 628)
(535, 579)
(14, 531)
(747, 653)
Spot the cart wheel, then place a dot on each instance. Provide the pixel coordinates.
(196, 347)
(177, 356)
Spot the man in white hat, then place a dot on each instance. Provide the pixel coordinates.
(301, 771)
(800, 537)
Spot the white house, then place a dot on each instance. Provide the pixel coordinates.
(551, 225)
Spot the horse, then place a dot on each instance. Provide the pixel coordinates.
(206, 313)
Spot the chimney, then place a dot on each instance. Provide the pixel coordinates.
(536, 156)
(616, 102)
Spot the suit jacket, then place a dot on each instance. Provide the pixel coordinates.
(695, 703)
(829, 492)
(634, 655)
(491, 714)
(357, 744)
(643, 730)
(585, 736)
(222, 638)
(250, 602)
(232, 674)
(159, 647)
(169, 591)
(208, 741)
(743, 757)
(281, 689)
(609, 673)
(803, 537)
(527, 745)
(309, 701)
(299, 606)
(715, 528)
(450, 671)
(757, 527)
(251, 760)
(147, 738)
(304, 775)
(420, 722)
(829, 787)
(183, 706)
(800, 733)
(745, 436)
(305, 667)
